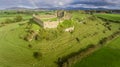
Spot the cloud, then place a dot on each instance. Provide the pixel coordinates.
(117, 2)
(52, 3)
(109, 4)
(112, 4)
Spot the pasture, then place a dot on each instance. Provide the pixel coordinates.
(108, 56)
(16, 52)
(114, 17)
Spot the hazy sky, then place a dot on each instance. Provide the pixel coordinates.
(111, 4)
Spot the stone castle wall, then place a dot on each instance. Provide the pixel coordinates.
(45, 24)
(53, 24)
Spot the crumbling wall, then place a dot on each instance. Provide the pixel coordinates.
(37, 20)
(53, 24)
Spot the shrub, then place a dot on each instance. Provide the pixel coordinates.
(104, 31)
(37, 55)
(96, 24)
(92, 18)
(107, 23)
(72, 32)
(30, 46)
(90, 46)
(84, 36)
(77, 39)
(37, 37)
(109, 28)
(118, 28)
(77, 19)
(8, 20)
(27, 37)
(73, 56)
(21, 24)
(103, 41)
(18, 18)
(84, 22)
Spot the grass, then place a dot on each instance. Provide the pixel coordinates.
(12, 16)
(66, 43)
(67, 23)
(35, 27)
(50, 19)
(107, 56)
(114, 17)
(14, 51)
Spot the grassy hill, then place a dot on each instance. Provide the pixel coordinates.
(16, 52)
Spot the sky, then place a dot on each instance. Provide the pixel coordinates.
(109, 4)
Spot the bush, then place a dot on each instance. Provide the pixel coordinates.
(37, 55)
(37, 37)
(73, 56)
(118, 28)
(109, 28)
(77, 19)
(104, 31)
(107, 23)
(96, 24)
(103, 41)
(18, 18)
(8, 20)
(30, 46)
(90, 46)
(84, 22)
(77, 39)
(92, 18)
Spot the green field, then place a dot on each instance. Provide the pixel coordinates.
(15, 51)
(3, 17)
(107, 56)
(114, 17)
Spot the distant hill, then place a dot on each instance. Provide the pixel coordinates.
(17, 8)
(57, 8)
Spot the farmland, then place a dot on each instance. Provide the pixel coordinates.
(113, 17)
(107, 56)
(51, 43)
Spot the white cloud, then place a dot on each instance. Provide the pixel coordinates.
(61, 3)
(24, 6)
(113, 1)
(54, 3)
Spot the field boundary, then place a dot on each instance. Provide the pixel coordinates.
(116, 21)
(72, 58)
